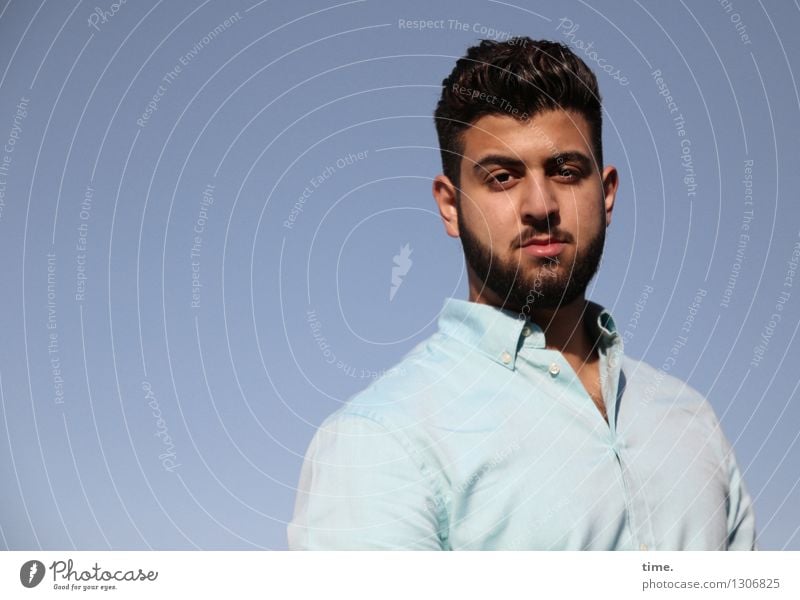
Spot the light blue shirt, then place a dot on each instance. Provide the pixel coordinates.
(482, 438)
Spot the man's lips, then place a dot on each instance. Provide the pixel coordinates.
(543, 247)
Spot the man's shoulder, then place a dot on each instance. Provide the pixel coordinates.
(659, 390)
(658, 382)
(416, 381)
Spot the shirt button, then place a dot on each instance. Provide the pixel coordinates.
(526, 331)
(554, 369)
(643, 547)
(505, 357)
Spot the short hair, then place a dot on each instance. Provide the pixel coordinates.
(519, 77)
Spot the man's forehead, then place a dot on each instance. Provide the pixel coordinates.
(550, 131)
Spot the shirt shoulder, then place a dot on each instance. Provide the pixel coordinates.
(424, 377)
(655, 394)
(660, 381)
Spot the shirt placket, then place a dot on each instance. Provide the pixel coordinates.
(635, 499)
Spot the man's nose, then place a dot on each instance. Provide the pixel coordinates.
(539, 202)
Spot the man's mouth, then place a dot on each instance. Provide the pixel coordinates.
(546, 247)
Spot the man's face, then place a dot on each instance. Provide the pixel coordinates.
(531, 181)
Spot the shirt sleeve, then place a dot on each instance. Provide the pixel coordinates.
(741, 518)
(361, 488)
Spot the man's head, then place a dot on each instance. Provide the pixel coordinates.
(519, 126)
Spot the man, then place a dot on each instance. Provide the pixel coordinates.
(521, 424)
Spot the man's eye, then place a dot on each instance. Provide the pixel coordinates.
(569, 173)
(500, 178)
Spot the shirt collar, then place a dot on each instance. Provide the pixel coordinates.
(499, 333)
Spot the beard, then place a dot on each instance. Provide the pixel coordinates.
(550, 285)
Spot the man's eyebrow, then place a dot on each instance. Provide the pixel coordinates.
(500, 160)
(573, 156)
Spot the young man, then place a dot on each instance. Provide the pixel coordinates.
(521, 424)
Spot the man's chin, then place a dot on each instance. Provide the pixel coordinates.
(530, 294)
(536, 272)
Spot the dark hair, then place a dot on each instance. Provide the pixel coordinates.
(519, 77)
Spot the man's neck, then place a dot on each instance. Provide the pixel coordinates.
(565, 329)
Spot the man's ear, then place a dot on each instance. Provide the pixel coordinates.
(445, 194)
(610, 186)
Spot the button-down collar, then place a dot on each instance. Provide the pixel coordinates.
(499, 333)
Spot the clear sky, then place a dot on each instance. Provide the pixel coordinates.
(202, 204)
